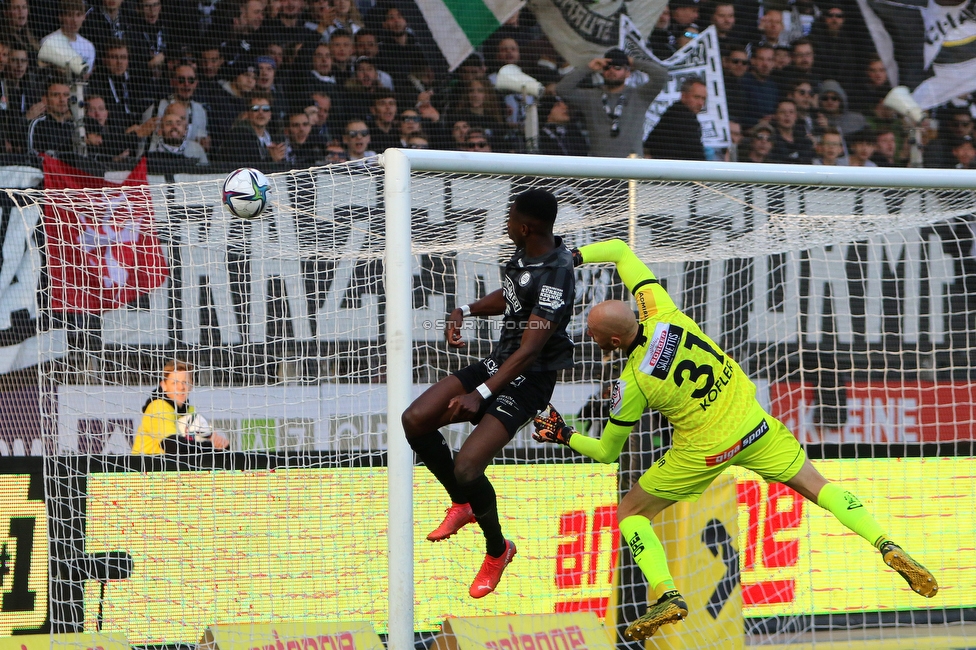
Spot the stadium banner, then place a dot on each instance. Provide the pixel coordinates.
(524, 632)
(790, 548)
(21, 344)
(89, 641)
(700, 58)
(876, 413)
(102, 249)
(352, 417)
(21, 426)
(859, 288)
(298, 635)
(708, 563)
(928, 46)
(582, 30)
(327, 417)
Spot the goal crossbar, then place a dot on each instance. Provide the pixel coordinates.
(676, 170)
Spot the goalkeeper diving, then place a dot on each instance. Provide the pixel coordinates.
(674, 368)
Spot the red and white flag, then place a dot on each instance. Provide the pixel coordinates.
(102, 250)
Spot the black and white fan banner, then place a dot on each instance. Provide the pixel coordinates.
(926, 45)
(701, 58)
(20, 344)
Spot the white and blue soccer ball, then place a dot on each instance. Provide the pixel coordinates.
(246, 192)
(194, 425)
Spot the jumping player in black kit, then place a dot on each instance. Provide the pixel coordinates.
(507, 389)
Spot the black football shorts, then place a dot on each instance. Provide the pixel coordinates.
(518, 403)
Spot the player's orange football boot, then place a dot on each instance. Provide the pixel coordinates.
(669, 608)
(458, 516)
(491, 572)
(918, 577)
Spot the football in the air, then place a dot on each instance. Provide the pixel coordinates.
(194, 425)
(246, 192)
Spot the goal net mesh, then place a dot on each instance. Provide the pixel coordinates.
(849, 308)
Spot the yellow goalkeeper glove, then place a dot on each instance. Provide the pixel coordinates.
(550, 427)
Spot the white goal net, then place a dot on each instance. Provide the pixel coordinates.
(851, 307)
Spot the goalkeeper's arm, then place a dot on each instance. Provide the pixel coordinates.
(607, 447)
(632, 271)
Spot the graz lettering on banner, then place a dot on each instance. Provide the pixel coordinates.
(850, 282)
(899, 284)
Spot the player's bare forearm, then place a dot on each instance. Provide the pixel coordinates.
(534, 338)
(491, 305)
(631, 270)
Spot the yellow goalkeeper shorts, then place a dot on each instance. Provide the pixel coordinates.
(764, 445)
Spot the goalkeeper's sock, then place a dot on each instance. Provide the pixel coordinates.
(648, 552)
(481, 495)
(434, 452)
(851, 512)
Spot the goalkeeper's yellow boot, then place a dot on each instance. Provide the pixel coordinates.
(458, 516)
(491, 572)
(918, 577)
(669, 608)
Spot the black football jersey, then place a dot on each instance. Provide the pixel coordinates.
(544, 286)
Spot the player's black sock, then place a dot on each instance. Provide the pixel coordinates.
(481, 495)
(435, 453)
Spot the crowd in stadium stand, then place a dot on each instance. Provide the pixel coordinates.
(285, 84)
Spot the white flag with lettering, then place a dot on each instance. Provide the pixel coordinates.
(582, 30)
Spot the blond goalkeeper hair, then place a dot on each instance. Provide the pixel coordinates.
(176, 365)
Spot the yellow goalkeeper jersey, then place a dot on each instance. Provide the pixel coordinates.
(673, 367)
(159, 418)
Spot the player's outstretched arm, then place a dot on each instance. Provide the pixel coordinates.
(632, 271)
(491, 305)
(606, 448)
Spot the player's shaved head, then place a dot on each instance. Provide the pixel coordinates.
(612, 324)
(538, 205)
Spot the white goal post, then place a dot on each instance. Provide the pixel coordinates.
(401, 164)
